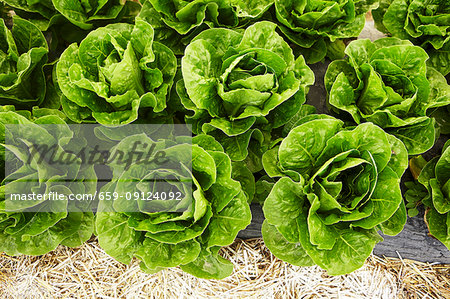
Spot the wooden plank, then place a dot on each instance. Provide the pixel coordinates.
(412, 243)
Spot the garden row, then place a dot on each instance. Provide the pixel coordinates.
(237, 73)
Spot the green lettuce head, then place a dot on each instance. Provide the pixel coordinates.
(387, 82)
(240, 86)
(423, 22)
(188, 232)
(23, 54)
(434, 186)
(116, 72)
(319, 27)
(36, 227)
(337, 187)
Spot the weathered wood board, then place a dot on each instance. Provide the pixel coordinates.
(413, 242)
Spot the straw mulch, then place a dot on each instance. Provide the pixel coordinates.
(89, 272)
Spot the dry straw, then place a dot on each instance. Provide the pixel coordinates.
(89, 272)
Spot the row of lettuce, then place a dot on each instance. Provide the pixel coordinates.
(316, 28)
(237, 72)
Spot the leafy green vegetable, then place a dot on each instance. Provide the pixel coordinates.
(83, 14)
(36, 227)
(433, 190)
(31, 9)
(319, 27)
(240, 86)
(176, 22)
(337, 187)
(116, 72)
(187, 232)
(183, 16)
(387, 82)
(423, 22)
(23, 53)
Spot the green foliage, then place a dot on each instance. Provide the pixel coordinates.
(211, 214)
(184, 16)
(82, 14)
(23, 53)
(433, 190)
(442, 117)
(423, 22)
(114, 73)
(240, 86)
(319, 27)
(337, 187)
(37, 227)
(387, 82)
(176, 22)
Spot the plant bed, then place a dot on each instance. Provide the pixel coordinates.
(331, 176)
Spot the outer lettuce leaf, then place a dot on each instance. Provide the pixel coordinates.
(337, 187)
(241, 86)
(293, 253)
(433, 190)
(388, 83)
(442, 117)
